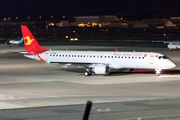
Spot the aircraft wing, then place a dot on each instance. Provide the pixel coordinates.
(70, 65)
(76, 65)
(85, 65)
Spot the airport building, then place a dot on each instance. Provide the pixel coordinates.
(107, 28)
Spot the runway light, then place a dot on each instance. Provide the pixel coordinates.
(75, 39)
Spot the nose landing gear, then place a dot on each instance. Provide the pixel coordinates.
(158, 72)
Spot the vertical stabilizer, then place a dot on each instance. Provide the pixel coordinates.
(30, 42)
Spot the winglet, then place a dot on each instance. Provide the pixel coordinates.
(116, 49)
(21, 41)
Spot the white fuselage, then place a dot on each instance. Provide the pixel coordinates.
(14, 42)
(172, 46)
(115, 60)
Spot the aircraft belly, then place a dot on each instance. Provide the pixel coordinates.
(113, 63)
(129, 63)
(137, 64)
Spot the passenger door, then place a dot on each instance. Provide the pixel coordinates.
(46, 56)
(151, 59)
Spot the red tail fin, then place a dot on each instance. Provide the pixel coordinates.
(30, 42)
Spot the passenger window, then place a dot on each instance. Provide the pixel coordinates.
(160, 57)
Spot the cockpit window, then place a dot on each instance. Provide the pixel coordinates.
(163, 57)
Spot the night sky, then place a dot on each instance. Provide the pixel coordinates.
(131, 9)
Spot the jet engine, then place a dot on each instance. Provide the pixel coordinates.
(101, 69)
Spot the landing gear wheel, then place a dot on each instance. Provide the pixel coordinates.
(170, 49)
(87, 73)
(158, 72)
(130, 70)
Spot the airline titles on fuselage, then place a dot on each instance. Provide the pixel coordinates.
(129, 55)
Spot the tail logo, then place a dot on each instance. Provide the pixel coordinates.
(28, 40)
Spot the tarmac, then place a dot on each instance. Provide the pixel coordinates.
(30, 90)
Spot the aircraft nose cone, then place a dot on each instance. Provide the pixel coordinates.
(173, 65)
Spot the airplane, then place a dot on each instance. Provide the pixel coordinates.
(98, 62)
(15, 42)
(172, 45)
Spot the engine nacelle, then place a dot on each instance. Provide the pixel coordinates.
(101, 69)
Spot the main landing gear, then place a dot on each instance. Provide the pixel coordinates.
(158, 72)
(88, 72)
